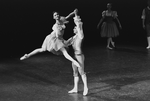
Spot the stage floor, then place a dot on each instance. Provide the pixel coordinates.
(121, 74)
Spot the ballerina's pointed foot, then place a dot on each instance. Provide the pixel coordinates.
(72, 91)
(24, 57)
(113, 44)
(77, 64)
(85, 92)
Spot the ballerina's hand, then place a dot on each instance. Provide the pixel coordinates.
(69, 41)
(97, 26)
(75, 11)
(144, 26)
(120, 26)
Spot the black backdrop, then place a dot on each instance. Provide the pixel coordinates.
(25, 23)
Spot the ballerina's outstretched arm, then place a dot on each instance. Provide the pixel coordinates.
(70, 14)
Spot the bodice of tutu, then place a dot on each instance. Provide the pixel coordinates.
(109, 19)
(109, 16)
(59, 29)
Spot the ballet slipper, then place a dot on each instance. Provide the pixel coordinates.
(73, 91)
(24, 57)
(109, 47)
(85, 92)
(113, 44)
(148, 47)
(75, 88)
(84, 79)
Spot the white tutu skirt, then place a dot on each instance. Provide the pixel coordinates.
(53, 44)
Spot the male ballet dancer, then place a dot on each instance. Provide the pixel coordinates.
(76, 42)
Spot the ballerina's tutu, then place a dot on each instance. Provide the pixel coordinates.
(53, 44)
(109, 30)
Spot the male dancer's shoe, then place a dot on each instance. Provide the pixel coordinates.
(148, 47)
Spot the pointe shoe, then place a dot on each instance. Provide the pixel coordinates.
(85, 92)
(24, 57)
(109, 47)
(113, 44)
(72, 91)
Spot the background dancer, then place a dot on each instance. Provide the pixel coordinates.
(109, 28)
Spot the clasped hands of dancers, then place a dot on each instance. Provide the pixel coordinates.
(54, 43)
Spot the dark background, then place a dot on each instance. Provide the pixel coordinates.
(25, 23)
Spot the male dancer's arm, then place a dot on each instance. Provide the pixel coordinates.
(80, 30)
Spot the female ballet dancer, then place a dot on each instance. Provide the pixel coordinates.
(76, 42)
(146, 22)
(54, 42)
(109, 28)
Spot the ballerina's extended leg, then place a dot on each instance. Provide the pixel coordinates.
(32, 53)
(67, 56)
(24, 57)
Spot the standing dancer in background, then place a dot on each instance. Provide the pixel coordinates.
(109, 28)
(146, 22)
(76, 42)
(54, 42)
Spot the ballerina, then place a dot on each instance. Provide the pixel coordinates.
(54, 42)
(76, 42)
(109, 28)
